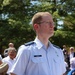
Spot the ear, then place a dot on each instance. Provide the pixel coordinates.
(35, 26)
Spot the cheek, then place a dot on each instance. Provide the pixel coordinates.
(46, 28)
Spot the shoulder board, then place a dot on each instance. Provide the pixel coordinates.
(29, 43)
(56, 46)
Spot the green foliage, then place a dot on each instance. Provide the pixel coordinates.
(15, 21)
(69, 23)
(15, 17)
(64, 37)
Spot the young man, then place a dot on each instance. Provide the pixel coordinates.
(40, 57)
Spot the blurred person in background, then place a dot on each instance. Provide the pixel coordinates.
(10, 59)
(72, 63)
(6, 50)
(64, 49)
(66, 56)
(71, 52)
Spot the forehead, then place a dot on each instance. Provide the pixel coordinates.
(47, 17)
(12, 51)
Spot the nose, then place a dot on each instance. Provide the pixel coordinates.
(52, 25)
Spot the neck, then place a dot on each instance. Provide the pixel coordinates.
(43, 40)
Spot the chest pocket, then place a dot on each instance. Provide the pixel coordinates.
(56, 59)
(37, 59)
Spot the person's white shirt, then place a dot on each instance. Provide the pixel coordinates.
(10, 63)
(71, 55)
(72, 63)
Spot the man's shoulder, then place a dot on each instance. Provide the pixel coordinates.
(29, 43)
(56, 46)
(25, 46)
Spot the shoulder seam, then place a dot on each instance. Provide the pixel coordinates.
(56, 46)
(29, 43)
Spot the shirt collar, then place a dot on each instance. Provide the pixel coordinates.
(9, 58)
(39, 44)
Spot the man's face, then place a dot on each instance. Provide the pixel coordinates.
(46, 26)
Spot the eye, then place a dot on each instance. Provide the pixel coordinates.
(50, 23)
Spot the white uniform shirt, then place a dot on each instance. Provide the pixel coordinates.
(10, 63)
(35, 59)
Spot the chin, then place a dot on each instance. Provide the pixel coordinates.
(51, 35)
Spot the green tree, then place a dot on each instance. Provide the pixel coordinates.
(15, 20)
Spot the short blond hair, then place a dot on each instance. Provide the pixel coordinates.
(71, 48)
(38, 17)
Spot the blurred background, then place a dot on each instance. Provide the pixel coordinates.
(16, 26)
